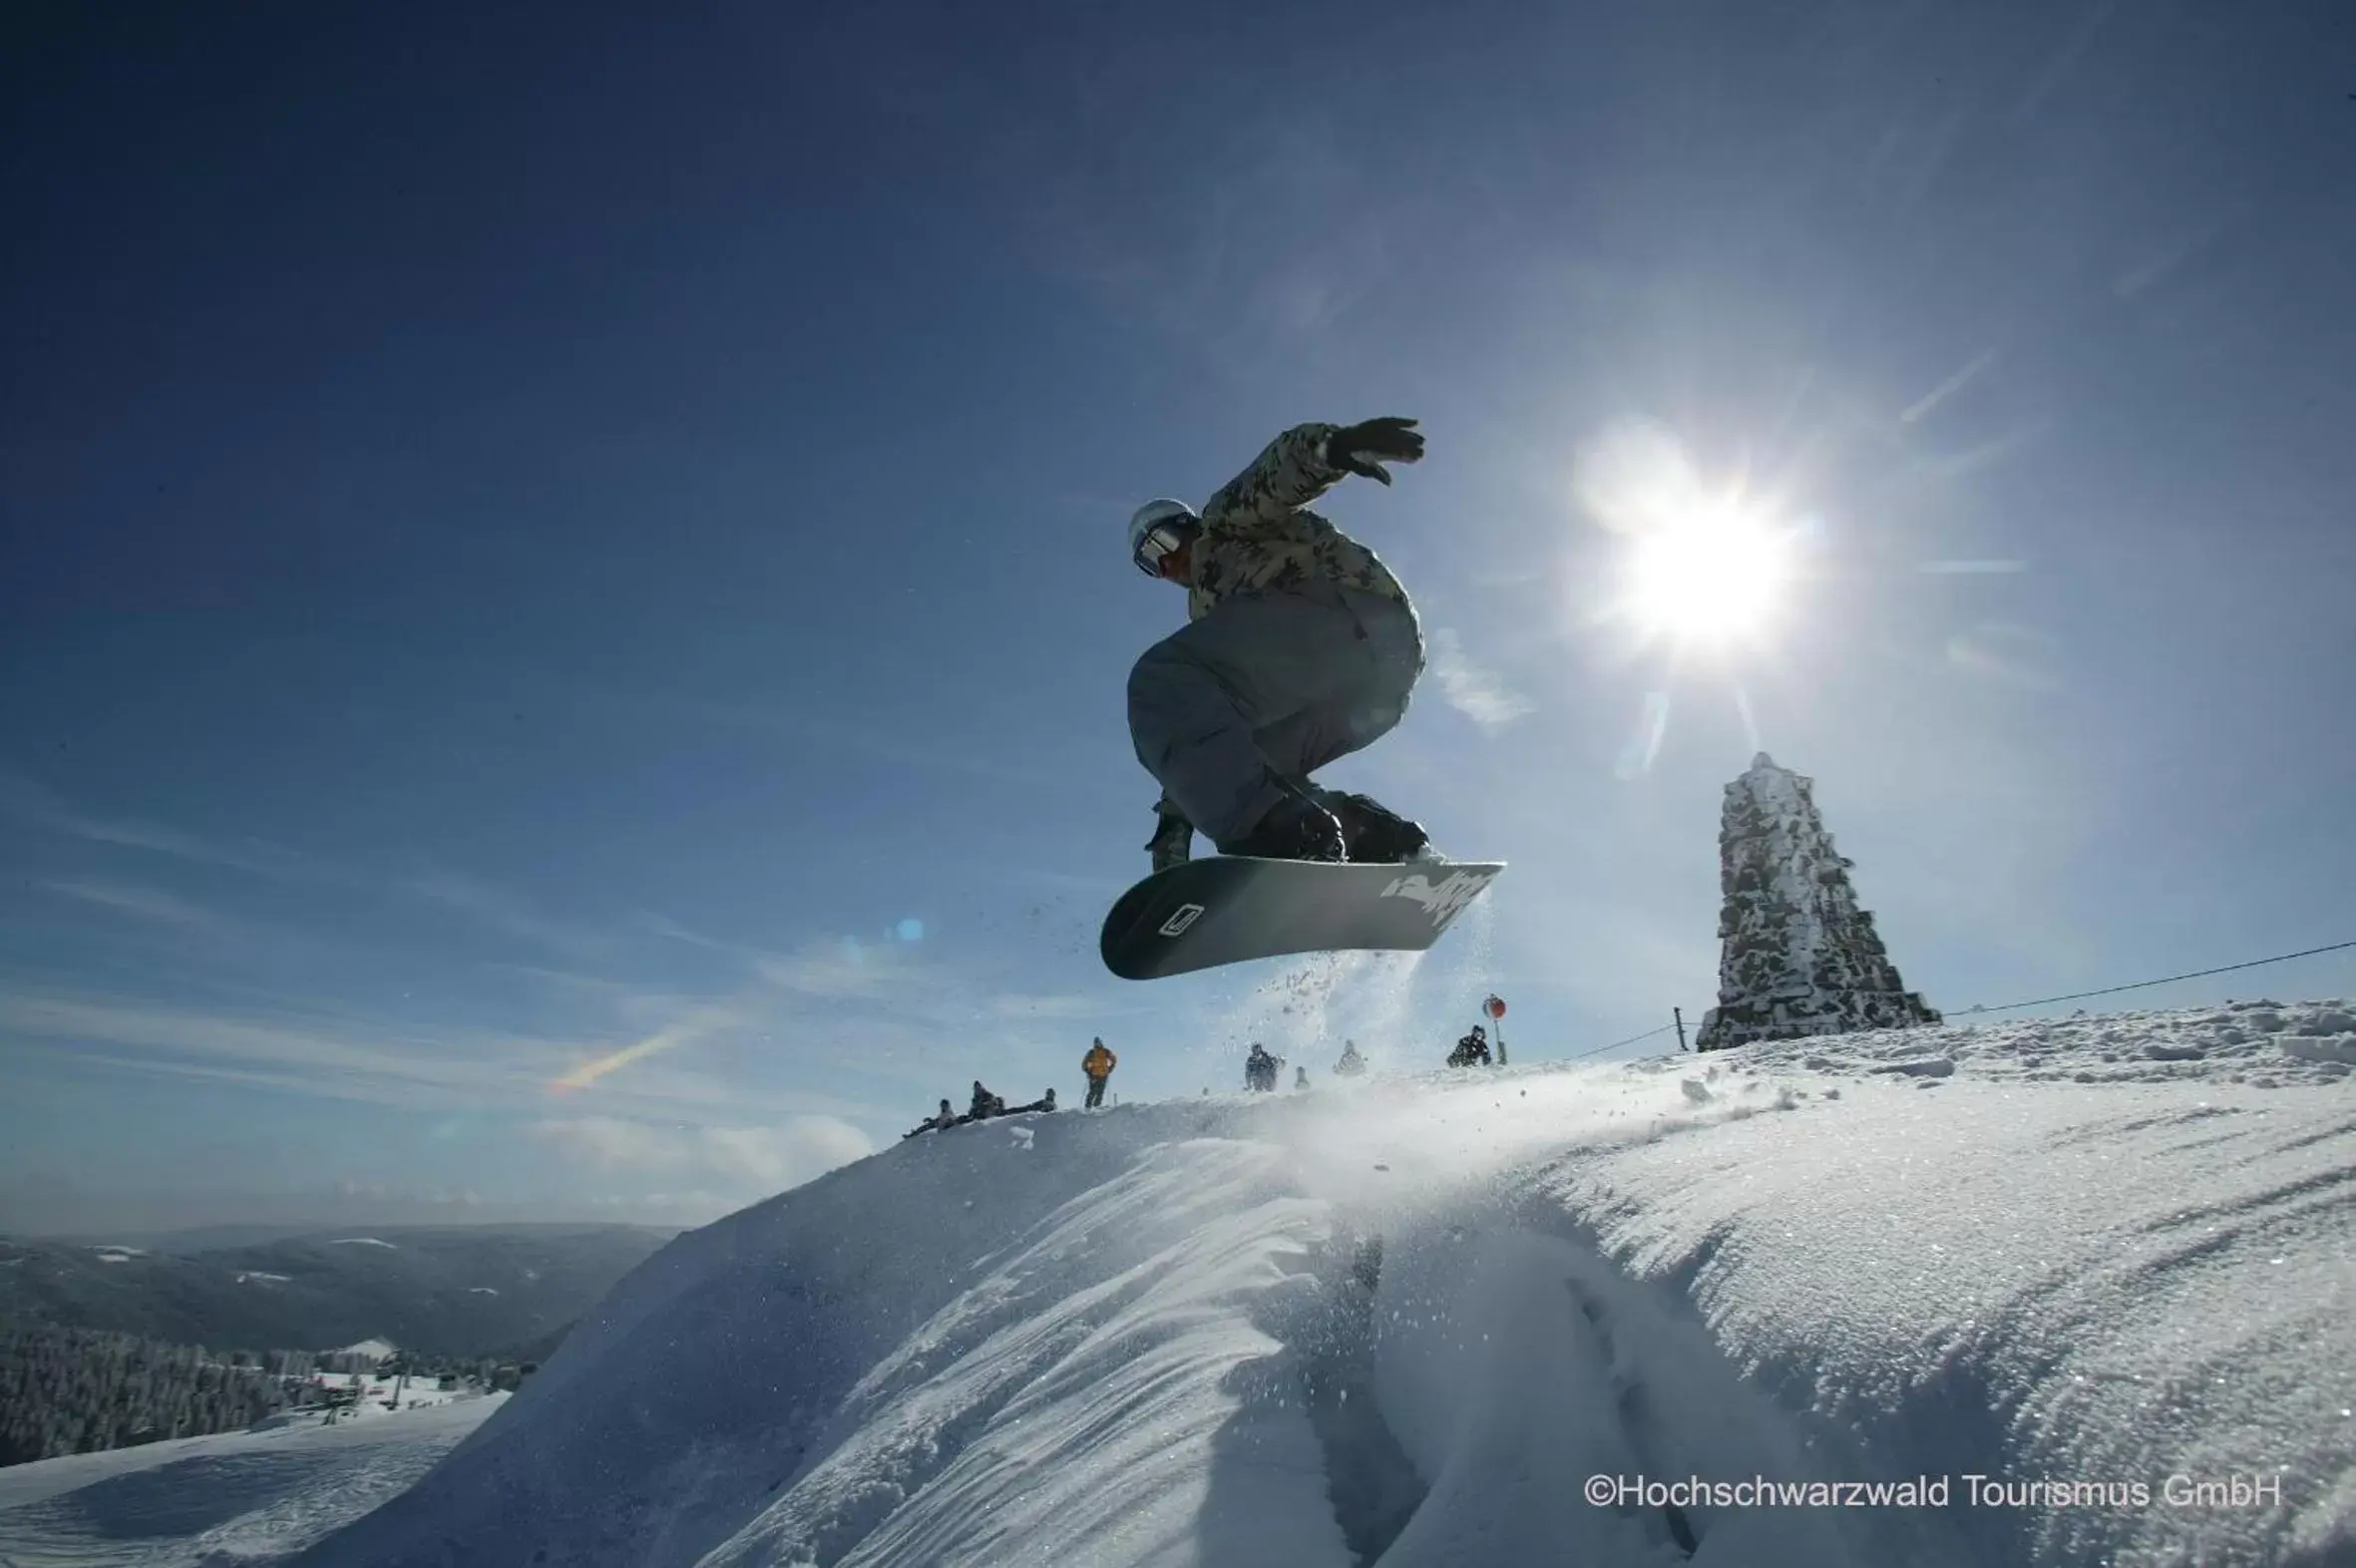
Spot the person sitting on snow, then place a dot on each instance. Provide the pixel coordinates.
(946, 1119)
(1300, 1077)
(985, 1105)
(1046, 1104)
(1473, 1050)
(1351, 1063)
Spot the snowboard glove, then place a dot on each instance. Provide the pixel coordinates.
(1172, 843)
(1363, 448)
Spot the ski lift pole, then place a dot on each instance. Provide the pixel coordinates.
(1495, 1008)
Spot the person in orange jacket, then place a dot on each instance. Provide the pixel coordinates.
(1097, 1065)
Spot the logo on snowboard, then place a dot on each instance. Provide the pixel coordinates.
(1444, 902)
(1186, 914)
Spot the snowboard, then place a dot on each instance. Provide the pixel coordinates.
(1227, 909)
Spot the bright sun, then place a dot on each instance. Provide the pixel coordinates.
(1714, 574)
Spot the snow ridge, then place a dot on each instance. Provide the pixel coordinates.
(1410, 1321)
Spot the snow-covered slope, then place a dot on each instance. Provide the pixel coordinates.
(234, 1497)
(2054, 1275)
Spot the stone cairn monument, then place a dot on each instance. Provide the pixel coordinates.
(1800, 956)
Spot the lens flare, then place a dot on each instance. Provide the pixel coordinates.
(697, 1025)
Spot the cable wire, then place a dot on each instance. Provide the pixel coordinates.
(1616, 1044)
(2040, 1002)
(2113, 991)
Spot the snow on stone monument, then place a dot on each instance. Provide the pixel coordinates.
(1799, 958)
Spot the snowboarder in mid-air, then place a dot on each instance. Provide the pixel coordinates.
(1300, 647)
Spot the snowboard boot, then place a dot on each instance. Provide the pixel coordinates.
(1296, 828)
(1376, 832)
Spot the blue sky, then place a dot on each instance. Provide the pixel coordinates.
(541, 533)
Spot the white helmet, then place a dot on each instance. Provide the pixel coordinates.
(1157, 528)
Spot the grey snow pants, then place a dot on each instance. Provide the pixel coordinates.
(1269, 683)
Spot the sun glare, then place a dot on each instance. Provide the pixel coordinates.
(1714, 574)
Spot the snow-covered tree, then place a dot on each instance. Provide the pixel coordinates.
(1800, 956)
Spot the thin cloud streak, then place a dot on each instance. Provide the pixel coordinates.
(147, 904)
(1946, 389)
(507, 913)
(825, 738)
(1471, 690)
(322, 1056)
(35, 806)
(335, 1064)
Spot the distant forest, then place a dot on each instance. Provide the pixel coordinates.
(105, 1345)
(78, 1391)
(82, 1391)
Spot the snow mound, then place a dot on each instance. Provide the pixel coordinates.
(361, 1241)
(2056, 1296)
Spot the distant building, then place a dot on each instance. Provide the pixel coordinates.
(1799, 958)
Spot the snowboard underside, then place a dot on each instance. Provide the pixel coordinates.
(1230, 909)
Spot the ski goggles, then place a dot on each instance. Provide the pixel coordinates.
(1157, 542)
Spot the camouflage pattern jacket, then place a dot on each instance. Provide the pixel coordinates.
(1259, 535)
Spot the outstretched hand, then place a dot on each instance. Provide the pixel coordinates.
(1365, 447)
